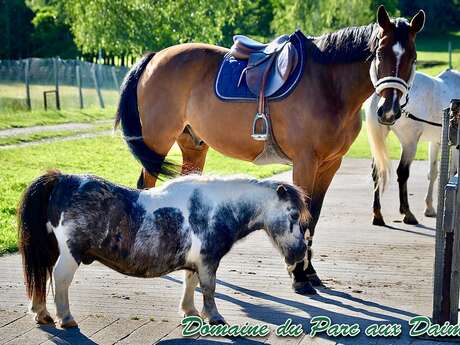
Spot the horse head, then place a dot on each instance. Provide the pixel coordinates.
(393, 68)
(286, 223)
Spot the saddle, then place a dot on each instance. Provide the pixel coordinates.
(269, 67)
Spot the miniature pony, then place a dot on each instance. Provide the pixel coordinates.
(187, 224)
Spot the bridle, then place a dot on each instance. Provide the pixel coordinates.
(391, 82)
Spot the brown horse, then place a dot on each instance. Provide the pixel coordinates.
(168, 97)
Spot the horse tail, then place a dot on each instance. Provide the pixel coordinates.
(128, 116)
(377, 140)
(38, 247)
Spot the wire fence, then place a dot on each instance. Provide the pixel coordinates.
(54, 83)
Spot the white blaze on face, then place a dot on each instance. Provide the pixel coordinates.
(398, 50)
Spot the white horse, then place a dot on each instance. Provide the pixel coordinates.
(427, 99)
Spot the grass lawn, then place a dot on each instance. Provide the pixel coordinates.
(432, 56)
(52, 117)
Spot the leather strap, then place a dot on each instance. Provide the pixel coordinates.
(415, 118)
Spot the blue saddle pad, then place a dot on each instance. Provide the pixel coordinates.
(226, 85)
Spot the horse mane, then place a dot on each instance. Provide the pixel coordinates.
(296, 196)
(346, 45)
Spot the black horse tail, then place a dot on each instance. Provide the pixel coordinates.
(38, 247)
(128, 116)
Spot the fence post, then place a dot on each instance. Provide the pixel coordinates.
(78, 73)
(455, 284)
(27, 82)
(115, 80)
(96, 84)
(440, 233)
(56, 82)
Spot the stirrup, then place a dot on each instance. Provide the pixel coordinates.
(260, 136)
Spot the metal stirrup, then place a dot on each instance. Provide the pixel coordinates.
(262, 136)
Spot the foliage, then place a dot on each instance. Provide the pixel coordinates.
(442, 16)
(138, 25)
(52, 36)
(15, 43)
(318, 16)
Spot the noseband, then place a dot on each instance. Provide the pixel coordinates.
(391, 82)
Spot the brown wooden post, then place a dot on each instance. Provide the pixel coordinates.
(27, 82)
(56, 82)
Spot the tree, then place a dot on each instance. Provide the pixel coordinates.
(122, 27)
(15, 29)
(318, 16)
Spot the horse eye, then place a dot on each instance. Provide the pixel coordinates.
(294, 216)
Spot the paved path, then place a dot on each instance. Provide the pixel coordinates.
(372, 274)
(53, 139)
(52, 128)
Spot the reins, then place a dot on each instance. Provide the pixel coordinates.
(415, 118)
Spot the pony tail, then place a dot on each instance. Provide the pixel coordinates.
(38, 248)
(377, 140)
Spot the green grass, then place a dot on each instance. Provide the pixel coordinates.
(13, 96)
(52, 117)
(19, 139)
(106, 156)
(432, 56)
(361, 149)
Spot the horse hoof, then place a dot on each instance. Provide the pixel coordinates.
(44, 319)
(431, 213)
(69, 324)
(410, 219)
(192, 312)
(304, 288)
(378, 221)
(315, 280)
(218, 321)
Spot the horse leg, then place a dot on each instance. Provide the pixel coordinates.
(207, 278)
(403, 171)
(378, 218)
(322, 182)
(188, 297)
(38, 307)
(64, 271)
(305, 170)
(433, 174)
(194, 152)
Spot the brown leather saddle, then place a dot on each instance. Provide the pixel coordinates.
(269, 67)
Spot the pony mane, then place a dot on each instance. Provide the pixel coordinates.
(296, 196)
(346, 45)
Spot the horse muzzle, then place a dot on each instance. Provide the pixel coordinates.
(389, 111)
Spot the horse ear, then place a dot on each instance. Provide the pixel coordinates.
(282, 192)
(417, 22)
(383, 19)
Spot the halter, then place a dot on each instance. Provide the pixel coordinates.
(391, 82)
